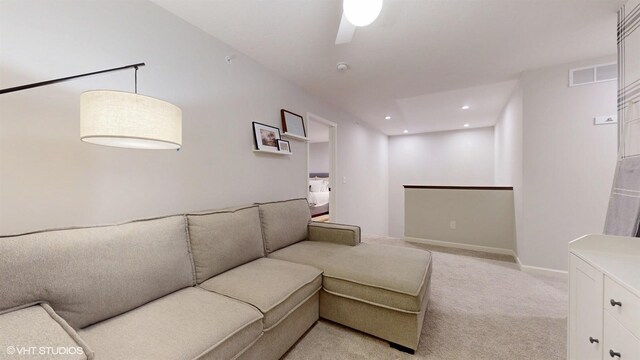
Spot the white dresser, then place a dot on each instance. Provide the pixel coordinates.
(604, 298)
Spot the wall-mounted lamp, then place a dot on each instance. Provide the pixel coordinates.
(122, 119)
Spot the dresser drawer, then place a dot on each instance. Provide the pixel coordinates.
(622, 305)
(618, 342)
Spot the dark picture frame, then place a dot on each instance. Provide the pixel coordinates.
(292, 123)
(266, 137)
(284, 146)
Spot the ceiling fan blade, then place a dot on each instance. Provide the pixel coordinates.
(345, 31)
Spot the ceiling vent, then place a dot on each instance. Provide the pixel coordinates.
(593, 74)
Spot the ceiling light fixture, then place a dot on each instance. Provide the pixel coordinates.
(387, 117)
(122, 119)
(465, 107)
(466, 125)
(361, 12)
(406, 131)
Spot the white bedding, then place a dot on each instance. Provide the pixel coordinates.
(318, 197)
(316, 185)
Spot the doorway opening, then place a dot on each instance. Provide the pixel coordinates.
(321, 168)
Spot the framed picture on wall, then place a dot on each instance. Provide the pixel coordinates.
(292, 123)
(266, 137)
(284, 146)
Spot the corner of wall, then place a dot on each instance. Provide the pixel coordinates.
(508, 147)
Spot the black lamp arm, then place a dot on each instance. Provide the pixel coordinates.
(54, 81)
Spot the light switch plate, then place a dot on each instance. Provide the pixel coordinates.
(605, 120)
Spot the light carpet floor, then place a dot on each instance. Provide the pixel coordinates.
(481, 307)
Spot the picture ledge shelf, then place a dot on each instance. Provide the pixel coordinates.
(294, 136)
(272, 152)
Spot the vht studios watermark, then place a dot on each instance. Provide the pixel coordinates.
(43, 350)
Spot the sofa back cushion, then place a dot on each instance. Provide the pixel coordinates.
(224, 239)
(91, 274)
(284, 223)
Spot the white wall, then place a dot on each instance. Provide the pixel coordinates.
(568, 163)
(319, 157)
(508, 141)
(462, 157)
(364, 165)
(508, 153)
(48, 178)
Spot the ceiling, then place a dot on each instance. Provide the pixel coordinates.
(421, 60)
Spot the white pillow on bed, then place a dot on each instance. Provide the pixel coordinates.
(315, 185)
(325, 185)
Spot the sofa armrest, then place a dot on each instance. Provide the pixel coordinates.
(334, 233)
(36, 331)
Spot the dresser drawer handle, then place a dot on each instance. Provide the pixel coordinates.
(614, 303)
(592, 340)
(614, 354)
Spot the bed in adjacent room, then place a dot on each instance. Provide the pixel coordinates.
(319, 194)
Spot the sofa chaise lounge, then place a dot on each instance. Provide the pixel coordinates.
(238, 283)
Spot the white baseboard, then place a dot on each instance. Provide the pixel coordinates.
(541, 270)
(518, 262)
(526, 268)
(449, 244)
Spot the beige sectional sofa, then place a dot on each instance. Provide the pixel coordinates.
(239, 283)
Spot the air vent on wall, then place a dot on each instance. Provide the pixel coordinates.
(593, 74)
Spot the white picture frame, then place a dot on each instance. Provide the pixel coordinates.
(266, 137)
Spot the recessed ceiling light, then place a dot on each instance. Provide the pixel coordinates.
(466, 125)
(406, 131)
(465, 107)
(387, 117)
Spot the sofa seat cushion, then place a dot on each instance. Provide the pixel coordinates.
(382, 275)
(36, 332)
(189, 324)
(274, 286)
